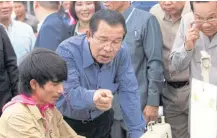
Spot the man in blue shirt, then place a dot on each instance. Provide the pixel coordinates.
(51, 29)
(99, 65)
(144, 42)
(144, 5)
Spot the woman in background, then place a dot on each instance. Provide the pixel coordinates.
(82, 11)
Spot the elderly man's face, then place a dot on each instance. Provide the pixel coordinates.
(106, 42)
(205, 15)
(172, 7)
(6, 8)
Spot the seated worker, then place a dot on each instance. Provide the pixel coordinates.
(32, 113)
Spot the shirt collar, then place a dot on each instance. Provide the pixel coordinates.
(76, 29)
(13, 21)
(87, 56)
(185, 10)
(76, 32)
(35, 112)
(39, 25)
(207, 41)
(127, 12)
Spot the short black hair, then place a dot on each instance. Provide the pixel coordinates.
(42, 65)
(111, 17)
(22, 2)
(72, 8)
(53, 5)
(192, 2)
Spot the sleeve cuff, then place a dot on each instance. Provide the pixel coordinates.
(186, 53)
(153, 100)
(89, 98)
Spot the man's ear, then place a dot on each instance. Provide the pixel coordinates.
(33, 84)
(59, 6)
(35, 5)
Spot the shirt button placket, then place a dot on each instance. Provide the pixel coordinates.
(99, 81)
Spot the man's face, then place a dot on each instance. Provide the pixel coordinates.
(106, 42)
(6, 8)
(49, 93)
(205, 15)
(66, 5)
(172, 7)
(36, 8)
(19, 9)
(113, 5)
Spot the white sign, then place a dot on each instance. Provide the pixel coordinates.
(203, 114)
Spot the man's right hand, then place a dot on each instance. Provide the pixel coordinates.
(191, 38)
(103, 99)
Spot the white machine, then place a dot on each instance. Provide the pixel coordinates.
(158, 130)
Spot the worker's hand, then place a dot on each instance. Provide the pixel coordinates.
(150, 113)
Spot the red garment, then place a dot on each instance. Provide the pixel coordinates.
(21, 98)
(72, 21)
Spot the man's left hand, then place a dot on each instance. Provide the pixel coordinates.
(150, 113)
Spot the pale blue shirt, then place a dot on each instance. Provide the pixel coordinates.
(22, 38)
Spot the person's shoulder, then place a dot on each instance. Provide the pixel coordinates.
(55, 112)
(142, 13)
(156, 8)
(30, 16)
(73, 43)
(2, 28)
(142, 16)
(188, 16)
(16, 109)
(54, 19)
(55, 22)
(187, 19)
(22, 26)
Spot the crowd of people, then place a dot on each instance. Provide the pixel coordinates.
(101, 69)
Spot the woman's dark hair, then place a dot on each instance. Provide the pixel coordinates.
(72, 8)
(42, 65)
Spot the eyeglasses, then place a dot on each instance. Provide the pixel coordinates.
(200, 22)
(103, 42)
